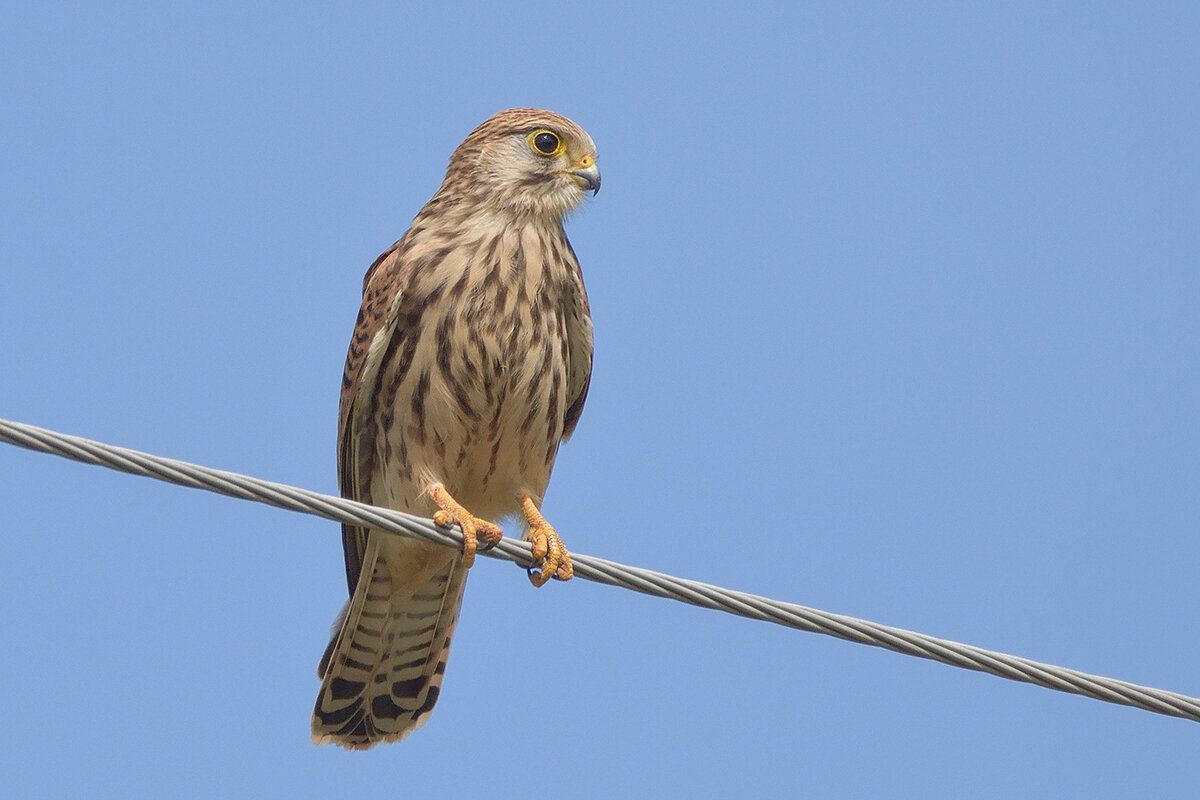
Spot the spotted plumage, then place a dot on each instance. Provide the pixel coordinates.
(469, 365)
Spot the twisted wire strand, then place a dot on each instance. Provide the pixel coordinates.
(601, 570)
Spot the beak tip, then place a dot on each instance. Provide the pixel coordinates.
(588, 178)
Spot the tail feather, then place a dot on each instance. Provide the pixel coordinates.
(382, 671)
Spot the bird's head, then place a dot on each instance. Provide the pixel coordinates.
(528, 162)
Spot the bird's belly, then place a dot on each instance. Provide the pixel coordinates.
(487, 430)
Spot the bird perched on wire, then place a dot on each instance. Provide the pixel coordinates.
(469, 365)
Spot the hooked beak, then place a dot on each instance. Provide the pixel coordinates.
(587, 175)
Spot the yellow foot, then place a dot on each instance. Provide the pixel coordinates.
(549, 553)
(473, 528)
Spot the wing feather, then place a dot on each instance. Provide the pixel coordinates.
(382, 291)
(579, 346)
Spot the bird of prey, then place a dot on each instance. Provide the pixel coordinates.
(469, 365)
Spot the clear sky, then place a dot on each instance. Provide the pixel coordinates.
(896, 316)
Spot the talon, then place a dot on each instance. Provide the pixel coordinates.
(545, 550)
(450, 512)
(551, 559)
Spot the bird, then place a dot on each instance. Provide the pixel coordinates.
(469, 365)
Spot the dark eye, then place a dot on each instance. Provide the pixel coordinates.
(545, 142)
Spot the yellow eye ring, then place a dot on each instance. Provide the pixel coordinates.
(546, 142)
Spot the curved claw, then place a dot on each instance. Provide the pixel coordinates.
(549, 553)
(563, 572)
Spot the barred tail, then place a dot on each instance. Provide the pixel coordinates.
(382, 672)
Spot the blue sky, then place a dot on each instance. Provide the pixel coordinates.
(896, 316)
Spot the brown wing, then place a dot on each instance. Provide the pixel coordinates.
(579, 347)
(356, 413)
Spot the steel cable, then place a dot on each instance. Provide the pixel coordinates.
(610, 572)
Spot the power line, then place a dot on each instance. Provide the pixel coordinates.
(603, 571)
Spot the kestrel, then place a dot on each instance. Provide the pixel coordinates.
(469, 365)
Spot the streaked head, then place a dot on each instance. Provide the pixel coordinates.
(528, 161)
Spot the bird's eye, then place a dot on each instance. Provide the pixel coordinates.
(546, 143)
